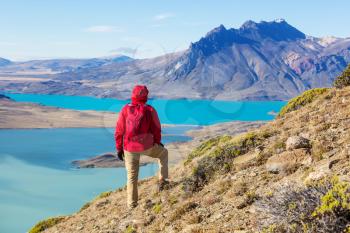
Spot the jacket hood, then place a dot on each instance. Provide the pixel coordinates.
(139, 94)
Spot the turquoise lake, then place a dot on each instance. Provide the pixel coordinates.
(36, 177)
(181, 111)
(38, 181)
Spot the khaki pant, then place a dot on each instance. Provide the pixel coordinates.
(132, 161)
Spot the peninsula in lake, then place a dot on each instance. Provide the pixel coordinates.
(19, 115)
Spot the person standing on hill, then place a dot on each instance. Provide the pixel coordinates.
(138, 132)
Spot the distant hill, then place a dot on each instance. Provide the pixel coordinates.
(57, 65)
(4, 97)
(258, 61)
(4, 62)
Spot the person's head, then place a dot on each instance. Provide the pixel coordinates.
(139, 94)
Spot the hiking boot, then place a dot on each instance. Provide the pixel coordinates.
(132, 207)
(163, 185)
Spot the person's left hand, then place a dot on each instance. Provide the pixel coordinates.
(121, 155)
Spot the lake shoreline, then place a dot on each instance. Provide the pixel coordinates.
(29, 116)
(23, 115)
(13, 113)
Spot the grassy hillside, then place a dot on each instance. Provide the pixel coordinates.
(290, 175)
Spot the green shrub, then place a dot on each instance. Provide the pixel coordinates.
(249, 198)
(302, 100)
(343, 80)
(130, 229)
(322, 206)
(335, 201)
(45, 224)
(206, 146)
(173, 200)
(157, 208)
(85, 206)
(219, 159)
(104, 195)
(270, 229)
(279, 145)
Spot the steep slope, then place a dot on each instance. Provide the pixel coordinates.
(258, 61)
(246, 183)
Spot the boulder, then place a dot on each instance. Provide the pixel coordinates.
(320, 172)
(288, 161)
(297, 142)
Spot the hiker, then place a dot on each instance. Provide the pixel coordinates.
(138, 132)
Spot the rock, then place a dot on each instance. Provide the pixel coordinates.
(332, 163)
(148, 204)
(321, 172)
(297, 142)
(259, 149)
(217, 216)
(102, 203)
(253, 174)
(138, 222)
(288, 161)
(149, 219)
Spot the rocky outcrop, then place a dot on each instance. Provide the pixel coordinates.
(288, 161)
(297, 142)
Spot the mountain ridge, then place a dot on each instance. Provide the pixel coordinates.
(59, 64)
(258, 61)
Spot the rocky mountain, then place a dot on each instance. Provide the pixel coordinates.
(44, 67)
(289, 175)
(258, 61)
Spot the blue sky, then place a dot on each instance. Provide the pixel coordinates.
(37, 29)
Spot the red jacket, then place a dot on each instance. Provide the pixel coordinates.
(148, 132)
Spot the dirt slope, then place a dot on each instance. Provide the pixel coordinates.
(223, 184)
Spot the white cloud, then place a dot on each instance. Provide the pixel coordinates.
(103, 28)
(125, 50)
(163, 16)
